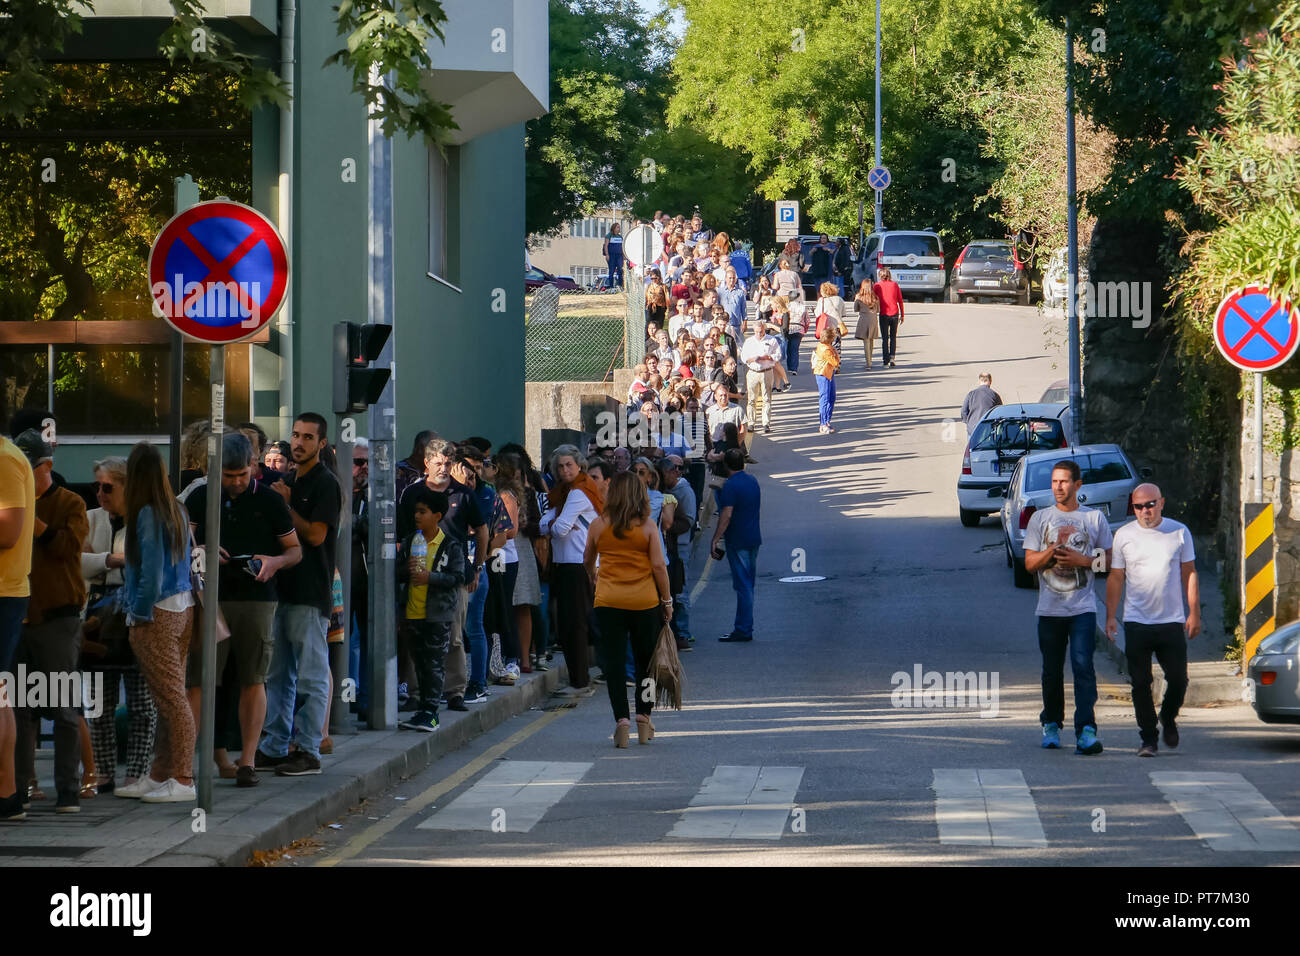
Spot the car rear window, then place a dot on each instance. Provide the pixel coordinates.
(1017, 433)
(982, 253)
(1094, 469)
(912, 246)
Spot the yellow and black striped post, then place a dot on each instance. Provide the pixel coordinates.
(1260, 576)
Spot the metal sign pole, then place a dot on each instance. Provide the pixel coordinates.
(211, 579)
(383, 435)
(340, 653)
(879, 195)
(1072, 234)
(1259, 437)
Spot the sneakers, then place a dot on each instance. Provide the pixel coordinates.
(262, 761)
(734, 638)
(173, 791)
(137, 790)
(245, 777)
(403, 692)
(1171, 735)
(1147, 750)
(475, 694)
(684, 645)
(457, 702)
(1087, 742)
(299, 764)
(767, 429)
(424, 721)
(1051, 736)
(823, 430)
(70, 803)
(11, 807)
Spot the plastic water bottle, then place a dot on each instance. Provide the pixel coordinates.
(419, 548)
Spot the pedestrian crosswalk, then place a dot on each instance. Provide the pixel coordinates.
(1227, 812)
(986, 808)
(741, 803)
(973, 807)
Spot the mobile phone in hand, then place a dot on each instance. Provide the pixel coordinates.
(253, 566)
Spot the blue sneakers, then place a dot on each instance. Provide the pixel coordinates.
(1088, 742)
(1051, 736)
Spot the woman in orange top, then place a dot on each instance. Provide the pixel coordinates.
(633, 599)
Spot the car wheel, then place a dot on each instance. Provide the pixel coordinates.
(1022, 577)
(969, 519)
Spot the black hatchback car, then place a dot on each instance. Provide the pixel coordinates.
(989, 267)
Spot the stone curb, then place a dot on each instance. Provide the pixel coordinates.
(394, 756)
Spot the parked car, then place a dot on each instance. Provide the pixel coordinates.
(535, 278)
(1275, 670)
(989, 267)
(1109, 478)
(914, 257)
(1003, 435)
(1056, 279)
(1057, 393)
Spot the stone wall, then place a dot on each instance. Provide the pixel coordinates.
(569, 405)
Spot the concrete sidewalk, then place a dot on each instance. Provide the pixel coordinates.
(111, 831)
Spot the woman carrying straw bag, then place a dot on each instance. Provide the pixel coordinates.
(633, 597)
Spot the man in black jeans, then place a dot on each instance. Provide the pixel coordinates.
(1155, 558)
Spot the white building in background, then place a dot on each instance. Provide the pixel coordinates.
(576, 250)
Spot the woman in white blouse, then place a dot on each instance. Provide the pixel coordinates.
(575, 502)
(102, 559)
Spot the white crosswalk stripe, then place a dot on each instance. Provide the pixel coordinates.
(512, 798)
(986, 808)
(741, 803)
(1227, 812)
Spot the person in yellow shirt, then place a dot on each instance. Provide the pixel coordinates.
(433, 572)
(17, 524)
(826, 362)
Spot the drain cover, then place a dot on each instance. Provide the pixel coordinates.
(802, 578)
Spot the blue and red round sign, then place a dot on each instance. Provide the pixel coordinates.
(1254, 331)
(218, 272)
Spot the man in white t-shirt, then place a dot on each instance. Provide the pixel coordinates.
(1064, 545)
(1155, 558)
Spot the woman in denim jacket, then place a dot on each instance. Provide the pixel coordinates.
(158, 601)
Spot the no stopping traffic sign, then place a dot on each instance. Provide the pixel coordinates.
(218, 272)
(1254, 331)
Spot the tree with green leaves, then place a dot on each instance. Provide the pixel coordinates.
(389, 35)
(609, 78)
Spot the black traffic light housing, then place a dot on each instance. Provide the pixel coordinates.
(356, 385)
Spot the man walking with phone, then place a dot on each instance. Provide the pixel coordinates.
(1154, 557)
(1062, 546)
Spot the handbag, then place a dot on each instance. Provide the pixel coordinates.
(542, 550)
(196, 585)
(666, 670)
(105, 637)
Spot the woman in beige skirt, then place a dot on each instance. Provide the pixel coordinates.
(868, 318)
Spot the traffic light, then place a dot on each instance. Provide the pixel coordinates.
(356, 385)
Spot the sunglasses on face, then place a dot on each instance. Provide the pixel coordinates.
(1143, 506)
(105, 486)
(361, 462)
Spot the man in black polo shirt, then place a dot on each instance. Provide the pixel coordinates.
(254, 521)
(300, 657)
(465, 522)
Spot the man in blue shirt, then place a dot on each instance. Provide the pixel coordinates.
(732, 298)
(738, 503)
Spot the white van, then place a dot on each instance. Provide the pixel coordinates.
(914, 257)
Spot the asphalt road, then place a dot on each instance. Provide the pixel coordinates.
(792, 749)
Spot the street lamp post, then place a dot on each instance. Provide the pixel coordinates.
(1072, 234)
(879, 192)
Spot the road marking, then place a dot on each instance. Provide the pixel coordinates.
(513, 798)
(411, 807)
(741, 803)
(1227, 812)
(986, 808)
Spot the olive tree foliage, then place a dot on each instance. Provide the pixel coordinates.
(391, 36)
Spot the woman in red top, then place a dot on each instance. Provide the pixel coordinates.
(890, 297)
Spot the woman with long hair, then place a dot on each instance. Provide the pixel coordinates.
(575, 503)
(868, 307)
(159, 607)
(102, 561)
(612, 251)
(632, 597)
(829, 312)
(534, 588)
(890, 297)
(526, 593)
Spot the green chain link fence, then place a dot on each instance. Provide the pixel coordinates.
(582, 336)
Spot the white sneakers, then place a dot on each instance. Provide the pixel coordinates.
(173, 791)
(147, 790)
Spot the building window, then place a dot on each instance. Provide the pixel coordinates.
(444, 209)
